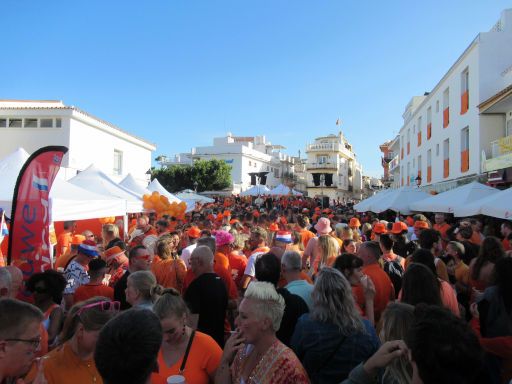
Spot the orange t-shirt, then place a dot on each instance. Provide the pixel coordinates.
(237, 263)
(221, 259)
(506, 244)
(383, 289)
(202, 362)
(87, 291)
(64, 240)
(62, 366)
(170, 273)
(306, 236)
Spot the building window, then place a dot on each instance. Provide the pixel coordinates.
(15, 123)
(446, 158)
(508, 128)
(46, 123)
(419, 130)
(118, 162)
(250, 163)
(58, 123)
(464, 91)
(429, 166)
(3, 123)
(429, 123)
(446, 107)
(437, 106)
(321, 159)
(419, 166)
(30, 123)
(464, 150)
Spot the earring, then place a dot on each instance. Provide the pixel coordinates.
(183, 332)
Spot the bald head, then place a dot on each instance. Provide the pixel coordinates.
(16, 279)
(201, 260)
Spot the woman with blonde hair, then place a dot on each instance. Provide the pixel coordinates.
(253, 354)
(327, 251)
(141, 289)
(333, 338)
(191, 354)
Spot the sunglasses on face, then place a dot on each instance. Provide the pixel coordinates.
(101, 305)
(34, 343)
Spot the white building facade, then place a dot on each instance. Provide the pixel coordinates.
(446, 140)
(35, 124)
(245, 155)
(332, 169)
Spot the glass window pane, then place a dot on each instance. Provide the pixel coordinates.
(46, 123)
(15, 123)
(3, 123)
(58, 123)
(30, 123)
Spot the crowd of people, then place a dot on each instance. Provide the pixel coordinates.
(284, 291)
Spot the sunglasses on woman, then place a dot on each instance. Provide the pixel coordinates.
(101, 305)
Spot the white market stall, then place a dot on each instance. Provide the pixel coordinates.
(497, 205)
(450, 201)
(68, 202)
(94, 180)
(399, 200)
(131, 184)
(155, 186)
(283, 190)
(189, 195)
(256, 190)
(364, 205)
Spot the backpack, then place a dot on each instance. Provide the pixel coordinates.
(395, 272)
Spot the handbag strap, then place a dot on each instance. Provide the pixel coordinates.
(182, 368)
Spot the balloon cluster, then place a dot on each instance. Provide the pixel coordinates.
(161, 205)
(107, 220)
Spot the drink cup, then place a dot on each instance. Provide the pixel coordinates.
(176, 379)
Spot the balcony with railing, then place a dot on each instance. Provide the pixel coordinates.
(395, 162)
(323, 166)
(388, 157)
(329, 147)
(501, 154)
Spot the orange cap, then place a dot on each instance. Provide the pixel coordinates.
(354, 223)
(273, 227)
(77, 239)
(421, 224)
(113, 252)
(379, 228)
(399, 227)
(194, 232)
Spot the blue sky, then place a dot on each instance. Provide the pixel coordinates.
(179, 73)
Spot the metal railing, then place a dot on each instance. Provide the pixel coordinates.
(327, 165)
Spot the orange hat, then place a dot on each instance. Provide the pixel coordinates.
(419, 224)
(379, 228)
(233, 221)
(354, 223)
(317, 209)
(194, 232)
(227, 213)
(113, 252)
(399, 227)
(220, 216)
(273, 227)
(77, 239)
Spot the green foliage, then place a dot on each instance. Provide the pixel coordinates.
(210, 175)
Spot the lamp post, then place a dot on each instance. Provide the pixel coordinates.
(418, 180)
(148, 176)
(195, 186)
(322, 184)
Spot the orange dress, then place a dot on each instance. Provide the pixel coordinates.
(202, 362)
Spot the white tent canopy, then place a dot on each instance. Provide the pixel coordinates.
(70, 202)
(189, 195)
(496, 205)
(364, 205)
(256, 190)
(155, 186)
(282, 189)
(399, 200)
(96, 181)
(449, 201)
(130, 183)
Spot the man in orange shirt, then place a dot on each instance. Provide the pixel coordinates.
(64, 260)
(369, 252)
(442, 226)
(95, 286)
(64, 239)
(305, 233)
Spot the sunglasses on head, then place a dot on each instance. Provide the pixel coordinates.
(101, 305)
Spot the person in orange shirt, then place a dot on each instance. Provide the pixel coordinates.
(72, 361)
(95, 287)
(64, 260)
(442, 227)
(506, 232)
(306, 235)
(204, 355)
(117, 264)
(170, 270)
(369, 252)
(64, 238)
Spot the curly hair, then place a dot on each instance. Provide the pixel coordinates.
(54, 283)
